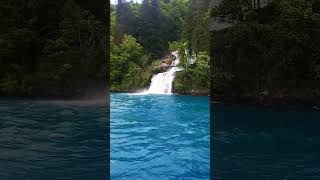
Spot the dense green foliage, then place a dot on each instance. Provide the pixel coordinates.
(195, 77)
(270, 52)
(195, 38)
(151, 27)
(52, 48)
(153, 23)
(128, 64)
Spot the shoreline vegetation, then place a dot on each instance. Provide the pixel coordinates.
(53, 48)
(268, 55)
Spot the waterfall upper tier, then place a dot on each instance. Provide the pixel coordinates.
(161, 83)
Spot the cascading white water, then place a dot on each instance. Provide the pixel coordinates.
(161, 83)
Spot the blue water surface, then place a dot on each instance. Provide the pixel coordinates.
(49, 140)
(253, 143)
(159, 137)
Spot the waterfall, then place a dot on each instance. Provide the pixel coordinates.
(161, 83)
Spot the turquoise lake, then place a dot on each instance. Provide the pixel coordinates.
(159, 137)
(156, 137)
(51, 140)
(252, 143)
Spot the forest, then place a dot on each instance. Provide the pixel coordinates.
(269, 55)
(53, 48)
(142, 34)
(61, 48)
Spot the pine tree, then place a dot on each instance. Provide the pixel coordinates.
(151, 33)
(125, 21)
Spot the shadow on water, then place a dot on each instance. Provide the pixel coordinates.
(265, 143)
(53, 139)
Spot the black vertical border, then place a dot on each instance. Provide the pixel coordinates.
(107, 30)
(213, 121)
(107, 55)
(211, 107)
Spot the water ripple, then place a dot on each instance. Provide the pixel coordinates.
(53, 140)
(159, 137)
(265, 143)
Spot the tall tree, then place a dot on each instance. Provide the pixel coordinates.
(199, 21)
(124, 21)
(151, 30)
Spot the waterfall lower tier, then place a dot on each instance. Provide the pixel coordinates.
(161, 83)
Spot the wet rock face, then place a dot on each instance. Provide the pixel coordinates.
(165, 66)
(166, 62)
